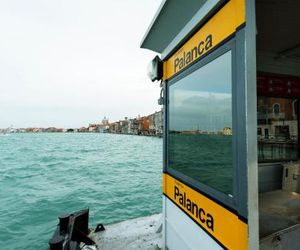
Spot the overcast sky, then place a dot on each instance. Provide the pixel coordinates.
(67, 63)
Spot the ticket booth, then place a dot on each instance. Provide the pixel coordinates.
(230, 78)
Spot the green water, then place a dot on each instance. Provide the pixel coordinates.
(43, 175)
(205, 158)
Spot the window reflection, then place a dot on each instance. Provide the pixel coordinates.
(200, 125)
(277, 129)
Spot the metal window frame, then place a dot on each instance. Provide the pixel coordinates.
(237, 203)
(248, 77)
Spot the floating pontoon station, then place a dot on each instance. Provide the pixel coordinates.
(229, 73)
(230, 78)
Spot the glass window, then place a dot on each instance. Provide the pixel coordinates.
(295, 103)
(276, 108)
(200, 125)
(278, 122)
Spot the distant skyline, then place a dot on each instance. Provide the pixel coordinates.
(68, 63)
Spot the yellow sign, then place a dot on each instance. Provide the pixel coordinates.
(220, 223)
(222, 25)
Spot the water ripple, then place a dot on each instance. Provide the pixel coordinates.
(43, 175)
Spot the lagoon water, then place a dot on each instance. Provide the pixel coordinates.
(43, 175)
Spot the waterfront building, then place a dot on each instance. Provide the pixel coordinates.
(52, 130)
(111, 128)
(152, 127)
(105, 121)
(93, 127)
(158, 121)
(34, 130)
(133, 126)
(82, 130)
(103, 127)
(124, 126)
(118, 127)
(277, 118)
(227, 131)
(143, 127)
(146, 125)
(115, 128)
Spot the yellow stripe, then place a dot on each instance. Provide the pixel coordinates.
(223, 24)
(219, 222)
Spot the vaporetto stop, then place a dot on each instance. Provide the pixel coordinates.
(191, 206)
